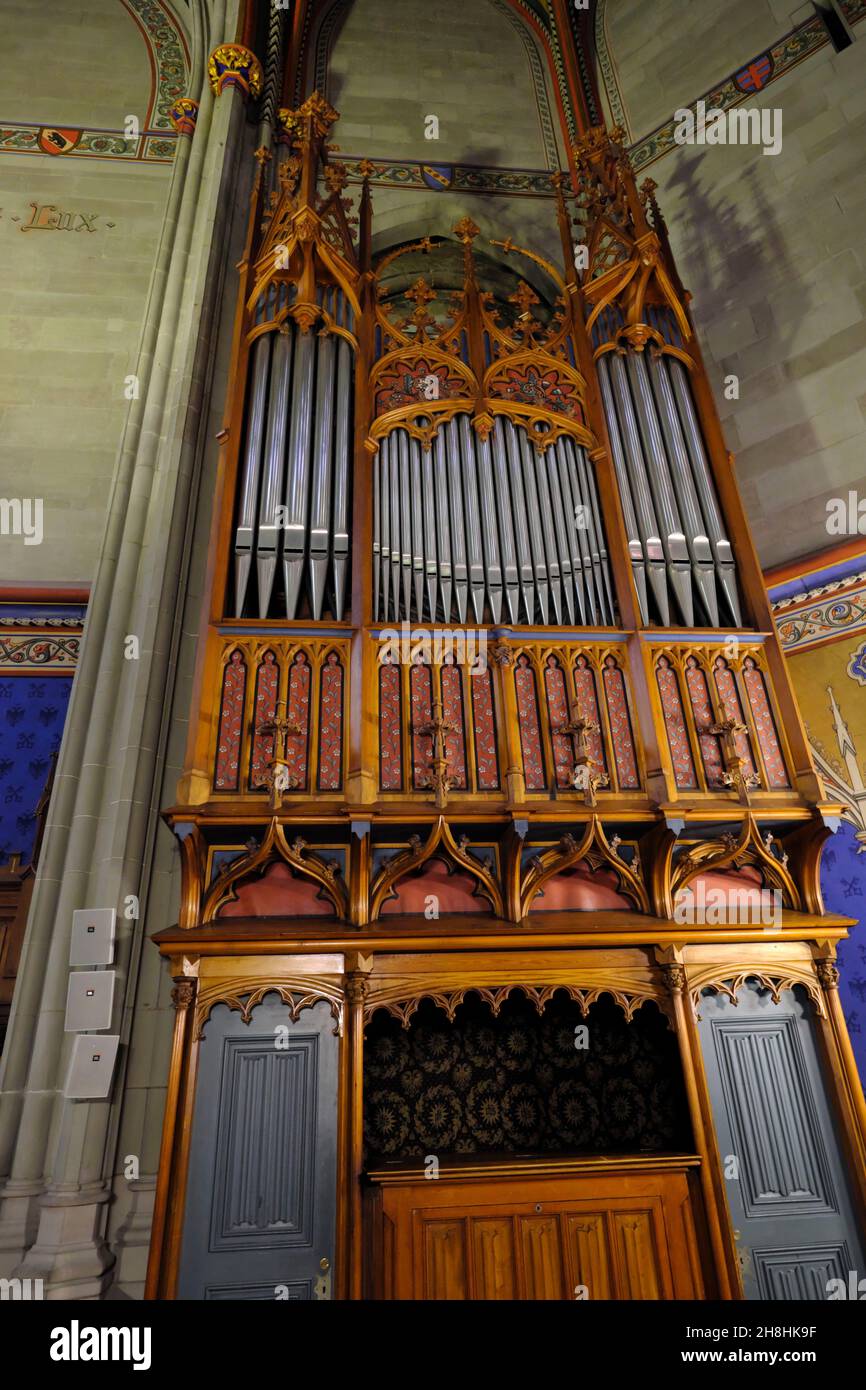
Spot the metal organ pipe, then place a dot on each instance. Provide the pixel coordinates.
(559, 528)
(458, 532)
(546, 515)
(520, 513)
(267, 539)
(536, 544)
(725, 572)
(298, 469)
(505, 523)
(640, 488)
(443, 525)
(342, 446)
(662, 471)
(490, 530)
(320, 512)
(632, 529)
(377, 533)
(696, 537)
(417, 526)
(673, 536)
(429, 504)
(405, 519)
(385, 513)
(394, 470)
(468, 530)
(293, 502)
(252, 465)
(474, 551)
(571, 521)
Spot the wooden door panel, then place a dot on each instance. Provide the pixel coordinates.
(444, 1255)
(791, 1204)
(542, 1257)
(637, 1258)
(624, 1235)
(261, 1191)
(587, 1254)
(493, 1257)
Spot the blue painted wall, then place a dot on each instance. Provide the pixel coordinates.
(843, 883)
(32, 715)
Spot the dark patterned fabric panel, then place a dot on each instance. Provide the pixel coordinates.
(518, 1083)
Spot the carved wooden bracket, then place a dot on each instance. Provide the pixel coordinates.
(748, 848)
(775, 981)
(440, 844)
(628, 996)
(245, 992)
(273, 849)
(593, 848)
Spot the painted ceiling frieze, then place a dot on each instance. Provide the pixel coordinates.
(453, 178)
(826, 613)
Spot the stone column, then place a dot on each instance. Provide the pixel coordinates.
(57, 1155)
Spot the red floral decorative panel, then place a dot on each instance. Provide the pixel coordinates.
(298, 713)
(390, 729)
(530, 729)
(620, 725)
(557, 707)
(421, 698)
(452, 713)
(264, 709)
(227, 771)
(484, 730)
(756, 689)
(584, 688)
(675, 724)
(730, 698)
(406, 382)
(551, 389)
(711, 748)
(331, 725)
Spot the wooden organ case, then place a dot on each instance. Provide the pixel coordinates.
(489, 708)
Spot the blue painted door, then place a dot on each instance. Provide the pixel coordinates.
(788, 1191)
(261, 1191)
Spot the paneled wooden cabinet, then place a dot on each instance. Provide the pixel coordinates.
(623, 1228)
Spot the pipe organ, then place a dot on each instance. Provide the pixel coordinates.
(489, 678)
(463, 433)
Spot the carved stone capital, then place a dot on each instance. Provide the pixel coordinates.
(234, 65)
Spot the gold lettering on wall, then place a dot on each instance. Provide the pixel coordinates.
(45, 217)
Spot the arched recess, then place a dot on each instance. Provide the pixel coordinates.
(524, 48)
(507, 1069)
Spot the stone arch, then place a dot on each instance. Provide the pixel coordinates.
(507, 30)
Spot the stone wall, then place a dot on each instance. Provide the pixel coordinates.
(772, 248)
(467, 64)
(78, 239)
